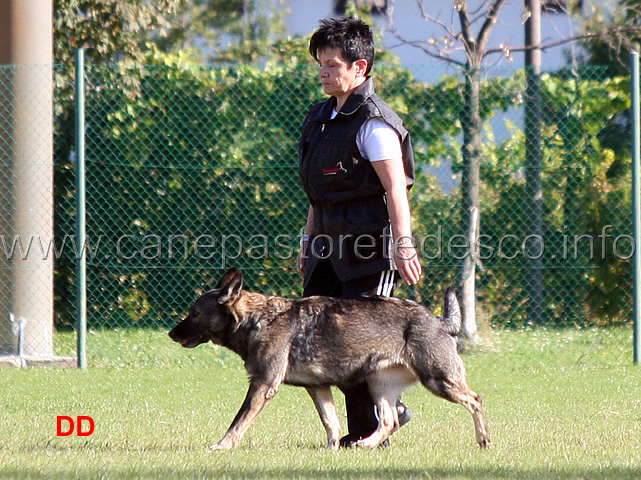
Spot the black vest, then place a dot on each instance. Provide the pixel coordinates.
(351, 226)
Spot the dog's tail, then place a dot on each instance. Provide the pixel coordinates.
(451, 320)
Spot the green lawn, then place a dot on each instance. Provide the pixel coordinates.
(560, 405)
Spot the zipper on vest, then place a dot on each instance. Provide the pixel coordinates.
(322, 128)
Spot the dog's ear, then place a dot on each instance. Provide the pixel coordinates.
(230, 285)
(228, 276)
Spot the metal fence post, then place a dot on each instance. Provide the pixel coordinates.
(636, 199)
(81, 278)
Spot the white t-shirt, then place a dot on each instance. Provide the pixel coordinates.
(377, 140)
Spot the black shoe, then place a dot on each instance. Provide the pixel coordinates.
(404, 413)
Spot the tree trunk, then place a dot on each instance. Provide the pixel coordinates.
(471, 214)
(534, 163)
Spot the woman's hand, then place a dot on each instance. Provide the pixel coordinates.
(301, 260)
(407, 261)
(302, 255)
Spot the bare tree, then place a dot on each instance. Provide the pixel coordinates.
(475, 46)
(471, 35)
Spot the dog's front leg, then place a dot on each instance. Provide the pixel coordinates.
(258, 395)
(326, 408)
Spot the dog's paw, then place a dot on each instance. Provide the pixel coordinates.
(219, 446)
(485, 442)
(332, 445)
(364, 443)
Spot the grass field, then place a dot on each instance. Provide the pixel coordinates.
(560, 405)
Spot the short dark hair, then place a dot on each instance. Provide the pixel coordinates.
(349, 34)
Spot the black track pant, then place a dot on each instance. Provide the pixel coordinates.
(361, 419)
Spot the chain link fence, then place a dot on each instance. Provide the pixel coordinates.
(191, 171)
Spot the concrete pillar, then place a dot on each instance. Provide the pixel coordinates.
(26, 173)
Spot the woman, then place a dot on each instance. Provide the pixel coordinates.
(356, 165)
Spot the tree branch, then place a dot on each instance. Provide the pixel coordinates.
(488, 25)
(467, 35)
(419, 44)
(430, 18)
(618, 33)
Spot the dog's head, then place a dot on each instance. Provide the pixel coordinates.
(210, 315)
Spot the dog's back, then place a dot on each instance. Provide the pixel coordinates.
(341, 342)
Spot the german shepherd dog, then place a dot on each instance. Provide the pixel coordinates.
(319, 342)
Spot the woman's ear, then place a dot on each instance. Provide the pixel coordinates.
(361, 66)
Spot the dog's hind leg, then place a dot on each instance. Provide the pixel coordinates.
(258, 395)
(457, 391)
(474, 404)
(326, 408)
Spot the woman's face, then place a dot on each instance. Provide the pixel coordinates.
(337, 76)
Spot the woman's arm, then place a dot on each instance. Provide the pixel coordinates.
(392, 176)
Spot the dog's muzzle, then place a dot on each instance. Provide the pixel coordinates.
(183, 334)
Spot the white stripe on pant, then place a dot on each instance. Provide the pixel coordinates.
(386, 283)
